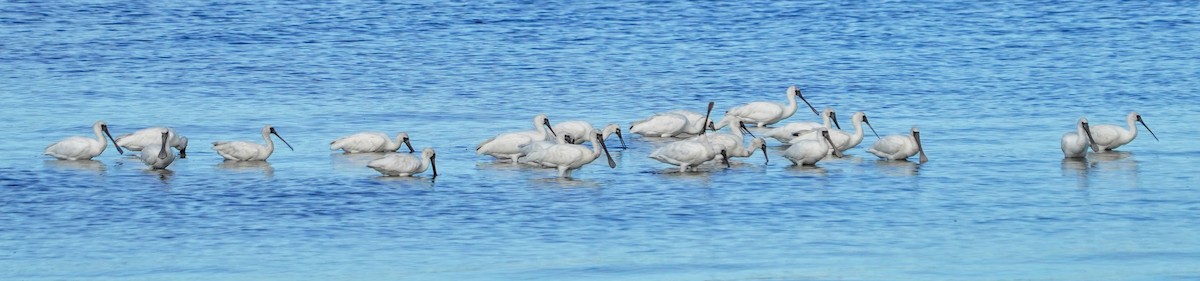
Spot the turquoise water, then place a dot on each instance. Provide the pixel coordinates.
(991, 85)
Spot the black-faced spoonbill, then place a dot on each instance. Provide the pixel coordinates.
(810, 150)
(899, 147)
(788, 131)
(843, 141)
(677, 123)
(249, 151)
(732, 142)
(569, 157)
(158, 156)
(1107, 137)
(689, 153)
(364, 142)
(149, 137)
(1075, 144)
(578, 131)
(766, 113)
(82, 148)
(405, 164)
(508, 145)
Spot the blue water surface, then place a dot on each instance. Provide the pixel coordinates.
(991, 85)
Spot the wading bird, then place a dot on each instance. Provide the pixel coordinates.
(578, 131)
(405, 164)
(150, 136)
(249, 151)
(158, 155)
(508, 145)
(371, 142)
(672, 124)
(569, 157)
(810, 150)
(1075, 144)
(788, 131)
(689, 153)
(899, 147)
(767, 113)
(843, 141)
(83, 148)
(1108, 137)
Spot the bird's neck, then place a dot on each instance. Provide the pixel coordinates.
(791, 107)
(270, 144)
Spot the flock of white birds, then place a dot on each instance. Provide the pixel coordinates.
(561, 146)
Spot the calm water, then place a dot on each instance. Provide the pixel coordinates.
(991, 85)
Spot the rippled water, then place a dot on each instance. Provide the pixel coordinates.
(991, 85)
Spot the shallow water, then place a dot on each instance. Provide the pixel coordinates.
(991, 85)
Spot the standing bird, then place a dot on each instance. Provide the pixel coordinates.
(371, 142)
(569, 157)
(1075, 144)
(405, 164)
(899, 147)
(1107, 137)
(788, 131)
(578, 131)
(843, 141)
(508, 145)
(672, 124)
(689, 153)
(248, 151)
(149, 137)
(158, 156)
(82, 148)
(732, 142)
(767, 113)
(808, 150)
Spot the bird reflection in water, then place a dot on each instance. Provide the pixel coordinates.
(1106, 164)
(91, 166)
(354, 161)
(248, 166)
(898, 168)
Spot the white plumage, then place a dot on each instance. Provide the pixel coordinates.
(1075, 144)
(732, 142)
(899, 147)
(689, 153)
(147, 137)
(405, 164)
(158, 155)
(1108, 137)
(364, 142)
(83, 148)
(843, 141)
(678, 123)
(788, 131)
(578, 131)
(249, 151)
(508, 145)
(767, 113)
(807, 150)
(569, 157)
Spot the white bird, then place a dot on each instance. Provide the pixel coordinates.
(569, 157)
(689, 153)
(158, 156)
(539, 145)
(788, 131)
(150, 136)
(1107, 137)
(578, 131)
(841, 139)
(405, 164)
(672, 124)
(82, 148)
(899, 147)
(508, 145)
(364, 142)
(732, 142)
(1075, 144)
(249, 151)
(809, 151)
(767, 113)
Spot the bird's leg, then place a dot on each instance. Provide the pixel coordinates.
(562, 171)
